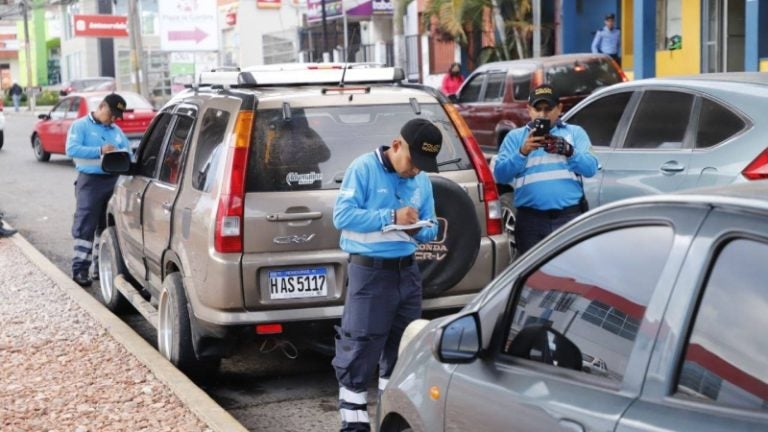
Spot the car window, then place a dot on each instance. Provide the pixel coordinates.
(60, 110)
(213, 129)
(471, 90)
(601, 117)
(583, 308)
(494, 87)
(171, 166)
(660, 121)
(313, 148)
(581, 77)
(522, 85)
(151, 145)
(73, 108)
(724, 361)
(716, 124)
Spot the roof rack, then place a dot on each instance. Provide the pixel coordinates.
(288, 74)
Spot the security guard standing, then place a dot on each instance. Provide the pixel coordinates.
(608, 39)
(545, 170)
(382, 188)
(88, 139)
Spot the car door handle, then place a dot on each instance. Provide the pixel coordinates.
(571, 425)
(280, 217)
(166, 206)
(672, 167)
(137, 195)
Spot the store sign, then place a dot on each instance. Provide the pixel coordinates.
(333, 10)
(106, 26)
(268, 4)
(188, 25)
(382, 6)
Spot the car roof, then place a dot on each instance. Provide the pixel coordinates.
(753, 195)
(540, 61)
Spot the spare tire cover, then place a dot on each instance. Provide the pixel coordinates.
(444, 261)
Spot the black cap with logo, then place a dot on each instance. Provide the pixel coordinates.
(424, 142)
(544, 93)
(116, 104)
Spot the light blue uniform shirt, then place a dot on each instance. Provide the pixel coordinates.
(542, 180)
(369, 194)
(84, 141)
(606, 41)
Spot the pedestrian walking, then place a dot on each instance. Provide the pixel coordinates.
(608, 39)
(544, 161)
(15, 93)
(385, 187)
(88, 139)
(452, 81)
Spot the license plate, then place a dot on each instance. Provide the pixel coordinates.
(298, 283)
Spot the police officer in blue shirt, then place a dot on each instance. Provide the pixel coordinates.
(381, 188)
(88, 139)
(545, 169)
(607, 40)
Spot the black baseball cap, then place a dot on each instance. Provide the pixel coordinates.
(424, 142)
(116, 104)
(610, 16)
(544, 93)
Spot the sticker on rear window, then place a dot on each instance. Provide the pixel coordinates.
(303, 178)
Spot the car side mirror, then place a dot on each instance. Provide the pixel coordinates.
(118, 162)
(458, 341)
(453, 98)
(62, 93)
(44, 116)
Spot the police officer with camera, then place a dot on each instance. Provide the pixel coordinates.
(544, 162)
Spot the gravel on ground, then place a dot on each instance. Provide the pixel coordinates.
(60, 370)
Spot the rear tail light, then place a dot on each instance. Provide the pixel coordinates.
(758, 168)
(228, 236)
(490, 194)
(266, 329)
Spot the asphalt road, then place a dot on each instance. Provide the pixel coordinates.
(265, 391)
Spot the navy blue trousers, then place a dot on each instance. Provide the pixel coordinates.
(379, 305)
(532, 228)
(92, 193)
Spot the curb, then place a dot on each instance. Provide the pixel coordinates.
(190, 395)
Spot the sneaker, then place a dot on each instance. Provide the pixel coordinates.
(82, 279)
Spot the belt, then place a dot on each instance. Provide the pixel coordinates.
(553, 213)
(382, 263)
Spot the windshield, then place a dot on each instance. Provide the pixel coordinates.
(313, 148)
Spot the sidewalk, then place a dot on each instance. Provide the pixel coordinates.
(70, 365)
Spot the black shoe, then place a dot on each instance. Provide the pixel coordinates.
(82, 279)
(6, 232)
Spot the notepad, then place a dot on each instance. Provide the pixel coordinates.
(398, 227)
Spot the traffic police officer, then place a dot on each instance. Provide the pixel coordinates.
(384, 187)
(545, 171)
(607, 39)
(88, 139)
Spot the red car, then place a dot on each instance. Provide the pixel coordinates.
(50, 134)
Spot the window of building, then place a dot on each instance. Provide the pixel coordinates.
(669, 23)
(590, 300)
(724, 361)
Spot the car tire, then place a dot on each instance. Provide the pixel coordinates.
(445, 261)
(174, 331)
(508, 220)
(111, 265)
(40, 153)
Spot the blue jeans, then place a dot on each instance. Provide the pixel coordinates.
(16, 99)
(531, 228)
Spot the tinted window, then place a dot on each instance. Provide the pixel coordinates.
(601, 117)
(716, 124)
(725, 358)
(213, 129)
(471, 90)
(660, 121)
(315, 146)
(171, 165)
(522, 85)
(150, 147)
(589, 301)
(494, 87)
(581, 78)
(73, 109)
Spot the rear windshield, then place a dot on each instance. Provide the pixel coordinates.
(582, 77)
(312, 149)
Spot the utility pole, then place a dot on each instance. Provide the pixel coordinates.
(537, 28)
(28, 53)
(134, 32)
(325, 30)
